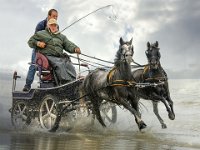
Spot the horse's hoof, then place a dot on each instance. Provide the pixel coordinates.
(55, 127)
(164, 126)
(142, 126)
(52, 130)
(171, 116)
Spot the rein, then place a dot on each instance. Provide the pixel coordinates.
(97, 58)
(79, 64)
(91, 62)
(138, 65)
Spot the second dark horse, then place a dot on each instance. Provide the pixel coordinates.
(154, 73)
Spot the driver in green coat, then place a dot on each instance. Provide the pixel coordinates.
(51, 43)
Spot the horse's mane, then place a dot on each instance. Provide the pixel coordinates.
(117, 56)
(122, 66)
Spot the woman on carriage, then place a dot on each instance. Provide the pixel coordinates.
(51, 43)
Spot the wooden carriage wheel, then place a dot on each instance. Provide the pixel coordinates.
(19, 115)
(108, 112)
(48, 112)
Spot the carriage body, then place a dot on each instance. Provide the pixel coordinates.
(41, 104)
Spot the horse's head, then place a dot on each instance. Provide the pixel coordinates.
(125, 52)
(153, 55)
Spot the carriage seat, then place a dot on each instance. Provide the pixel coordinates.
(44, 68)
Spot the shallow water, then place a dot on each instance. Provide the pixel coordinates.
(183, 133)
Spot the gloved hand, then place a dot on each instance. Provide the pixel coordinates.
(77, 50)
(66, 56)
(41, 44)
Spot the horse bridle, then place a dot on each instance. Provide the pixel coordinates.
(150, 57)
(126, 51)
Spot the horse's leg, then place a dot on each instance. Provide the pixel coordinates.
(134, 100)
(162, 99)
(135, 105)
(155, 110)
(169, 100)
(141, 124)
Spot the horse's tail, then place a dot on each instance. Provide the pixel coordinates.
(96, 105)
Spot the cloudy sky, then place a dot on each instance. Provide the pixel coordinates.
(175, 24)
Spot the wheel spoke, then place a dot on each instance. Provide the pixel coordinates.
(53, 116)
(19, 115)
(47, 107)
(105, 115)
(49, 123)
(52, 107)
(23, 110)
(108, 118)
(19, 108)
(45, 117)
(24, 117)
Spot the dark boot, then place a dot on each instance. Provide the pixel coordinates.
(26, 88)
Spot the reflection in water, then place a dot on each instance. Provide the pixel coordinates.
(92, 140)
(84, 140)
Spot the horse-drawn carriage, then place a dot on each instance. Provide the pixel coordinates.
(102, 89)
(51, 98)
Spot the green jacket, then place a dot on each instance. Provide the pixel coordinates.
(55, 43)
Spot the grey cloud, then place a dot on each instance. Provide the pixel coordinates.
(19, 8)
(178, 38)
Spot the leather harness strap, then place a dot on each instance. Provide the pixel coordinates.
(112, 82)
(122, 83)
(146, 71)
(110, 74)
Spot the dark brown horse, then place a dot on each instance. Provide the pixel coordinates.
(113, 85)
(154, 73)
